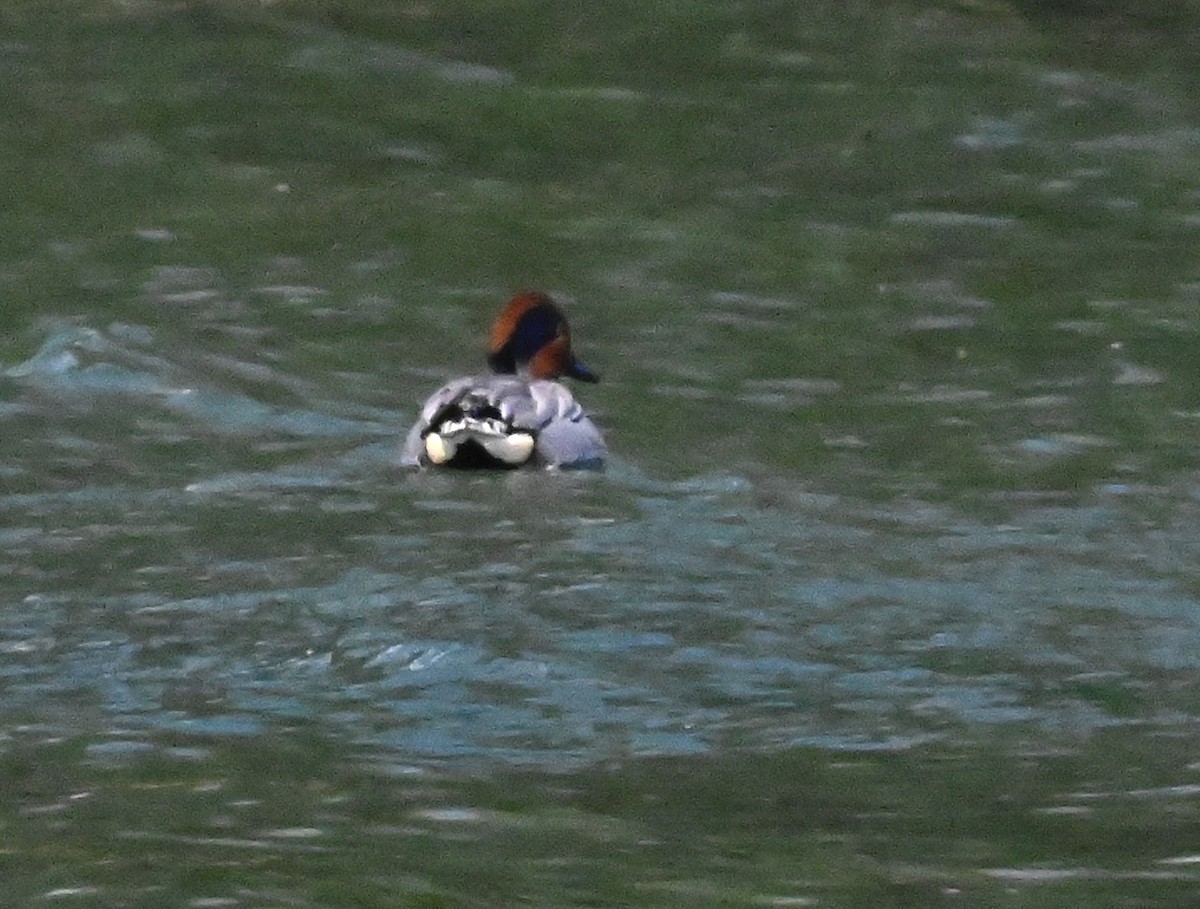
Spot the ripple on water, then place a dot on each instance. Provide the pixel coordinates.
(546, 618)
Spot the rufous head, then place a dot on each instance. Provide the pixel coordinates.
(531, 336)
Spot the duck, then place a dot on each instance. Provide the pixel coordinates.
(519, 414)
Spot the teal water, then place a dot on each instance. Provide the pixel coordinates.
(888, 596)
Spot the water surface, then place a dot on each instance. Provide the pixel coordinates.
(887, 597)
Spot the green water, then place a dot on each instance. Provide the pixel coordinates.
(294, 823)
(888, 596)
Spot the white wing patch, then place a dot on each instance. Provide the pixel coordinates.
(540, 418)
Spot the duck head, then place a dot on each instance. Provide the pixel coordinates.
(531, 336)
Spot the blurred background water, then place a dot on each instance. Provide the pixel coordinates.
(888, 596)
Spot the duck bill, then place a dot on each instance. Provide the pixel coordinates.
(578, 371)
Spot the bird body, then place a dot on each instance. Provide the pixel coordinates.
(520, 414)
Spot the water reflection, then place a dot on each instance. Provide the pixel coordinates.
(549, 618)
(888, 597)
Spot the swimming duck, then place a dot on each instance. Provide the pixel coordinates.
(520, 415)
